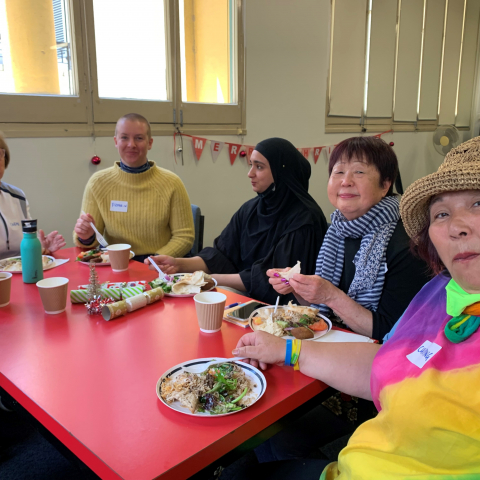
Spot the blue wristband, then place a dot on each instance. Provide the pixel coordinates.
(288, 353)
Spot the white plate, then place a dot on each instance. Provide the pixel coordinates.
(49, 265)
(104, 264)
(255, 375)
(183, 295)
(315, 334)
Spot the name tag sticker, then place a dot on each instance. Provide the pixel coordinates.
(424, 353)
(116, 206)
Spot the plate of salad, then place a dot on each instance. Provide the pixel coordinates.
(185, 284)
(98, 256)
(225, 388)
(290, 321)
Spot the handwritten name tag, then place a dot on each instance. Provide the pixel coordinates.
(424, 353)
(116, 206)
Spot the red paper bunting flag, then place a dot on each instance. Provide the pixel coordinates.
(198, 146)
(233, 149)
(216, 148)
(305, 152)
(250, 149)
(316, 153)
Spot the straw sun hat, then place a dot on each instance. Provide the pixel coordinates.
(459, 171)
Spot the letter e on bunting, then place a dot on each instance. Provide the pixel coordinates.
(233, 149)
(316, 153)
(198, 146)
(216, 148)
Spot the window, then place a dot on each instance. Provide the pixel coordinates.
(85, 63)
(410, 65)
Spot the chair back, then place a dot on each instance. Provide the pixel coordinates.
(198, 222)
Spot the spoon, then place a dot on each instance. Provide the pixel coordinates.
(205, 366)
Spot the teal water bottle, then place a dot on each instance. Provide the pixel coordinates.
(31, 253)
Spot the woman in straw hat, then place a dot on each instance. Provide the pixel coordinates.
(423, 379)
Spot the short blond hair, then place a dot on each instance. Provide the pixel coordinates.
(136, 117)
(4, 146)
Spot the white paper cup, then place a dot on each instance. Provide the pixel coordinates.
(119, 255)
(5, 288)
(210, 307)
(53, 292)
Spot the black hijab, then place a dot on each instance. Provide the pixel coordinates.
(285, 206)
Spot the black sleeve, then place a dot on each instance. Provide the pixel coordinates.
(405, 277)
(302, 244)
(225, 255)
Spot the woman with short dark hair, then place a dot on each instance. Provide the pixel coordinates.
(365, 273)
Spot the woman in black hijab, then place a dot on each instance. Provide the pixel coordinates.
(282, 225)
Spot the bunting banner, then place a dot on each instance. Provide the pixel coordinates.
(316, 153)
(250, 150)
(198, 144)
(233, 150)
(216, 148)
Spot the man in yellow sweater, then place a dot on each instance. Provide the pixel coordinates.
(135, 201)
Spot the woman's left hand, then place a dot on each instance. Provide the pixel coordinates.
(261, 348)
(313, 288)
(52, 242)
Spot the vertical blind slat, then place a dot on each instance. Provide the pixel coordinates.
(432, 59)
(347, 75)
(451, 62)
(382, 58)
(408, 61)
(467, 70)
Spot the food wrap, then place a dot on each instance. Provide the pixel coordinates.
(190, 283)
(288, 275)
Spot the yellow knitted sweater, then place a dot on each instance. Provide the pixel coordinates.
(158, 217)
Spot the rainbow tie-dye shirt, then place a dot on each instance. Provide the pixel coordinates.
(428, 426)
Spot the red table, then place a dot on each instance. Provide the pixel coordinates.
(92, 383)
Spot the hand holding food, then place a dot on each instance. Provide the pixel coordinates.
(167, 264)
(312, 288)
(52, 242)
(261, 348)
(278, 282)
(83, 228)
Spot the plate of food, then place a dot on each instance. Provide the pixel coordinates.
(14, 264)
(185, 284)
(98, 256)
(290, 321)
(223, 389)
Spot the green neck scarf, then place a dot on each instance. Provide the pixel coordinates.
(465, 321)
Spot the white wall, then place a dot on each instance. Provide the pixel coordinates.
(287, 65)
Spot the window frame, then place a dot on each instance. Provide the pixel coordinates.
(50, 115)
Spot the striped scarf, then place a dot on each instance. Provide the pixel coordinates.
(375, 228)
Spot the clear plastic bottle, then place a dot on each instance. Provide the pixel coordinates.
(31, 253)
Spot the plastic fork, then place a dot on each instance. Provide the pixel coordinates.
(98, 235)
(202, 367)
(159, 270)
